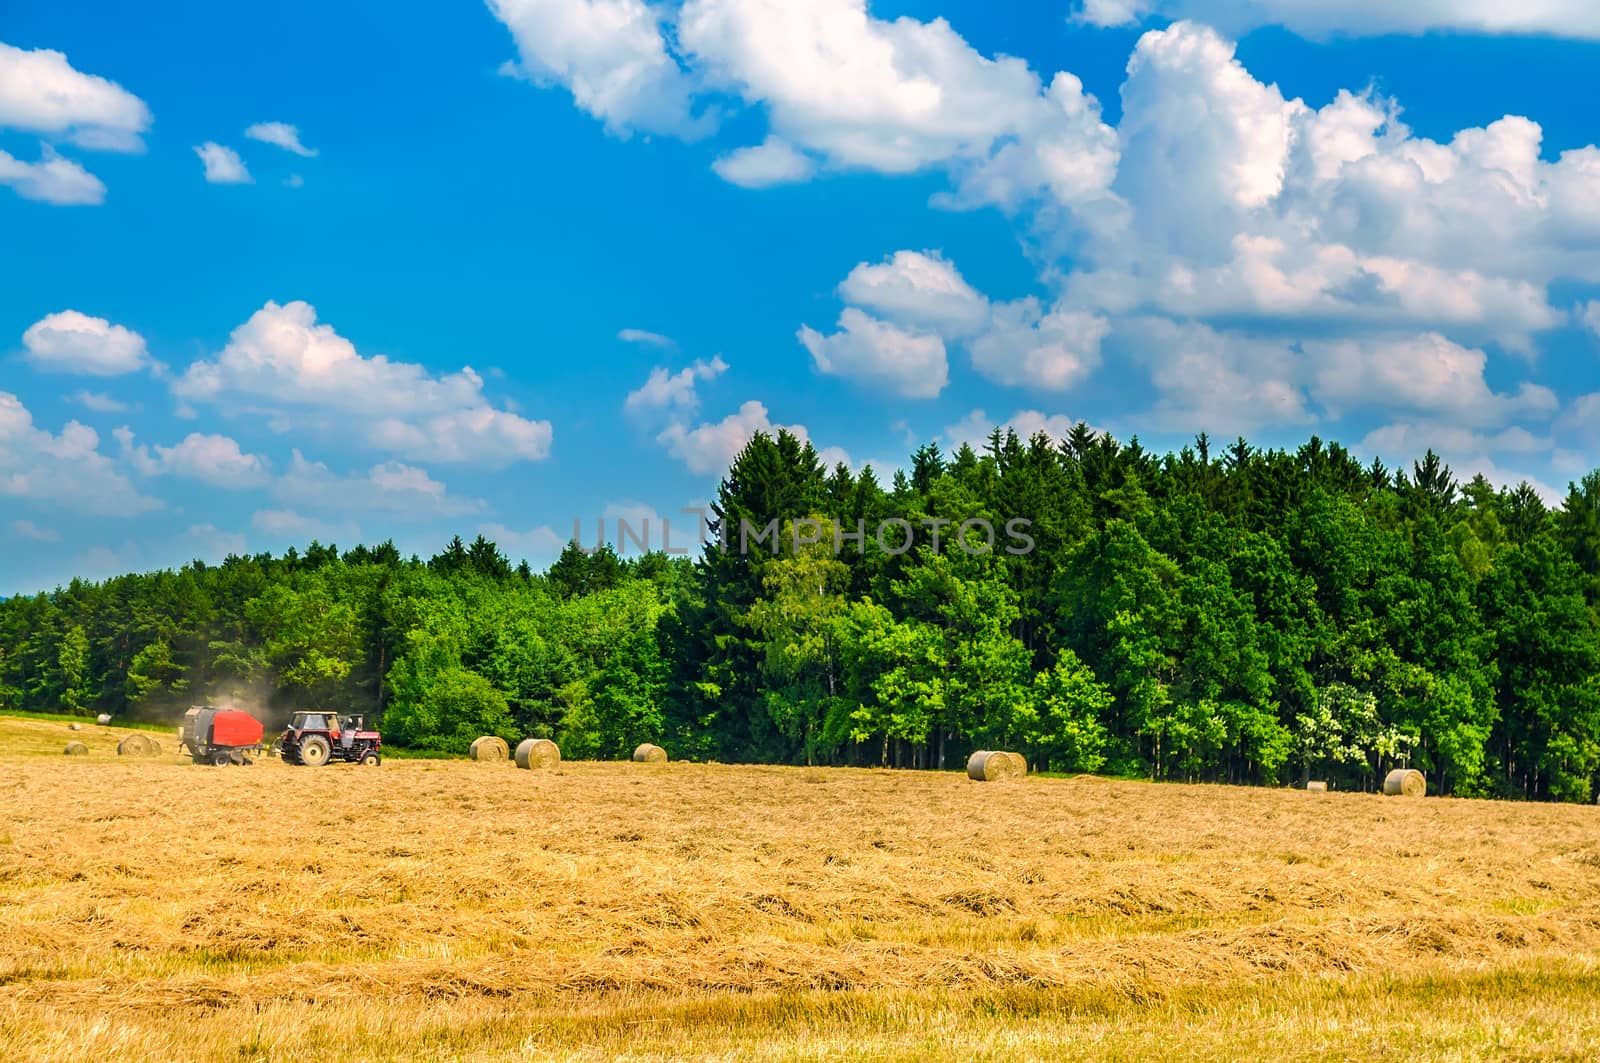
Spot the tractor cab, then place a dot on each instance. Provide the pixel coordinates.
(315, 737)
(305, 722)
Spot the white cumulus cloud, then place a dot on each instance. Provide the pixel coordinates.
(222, 164)
(215, 460)
(1240, 203)
(929, 304)
(41, 92)
(282, 135)
(1318, 18)
(772, 162)
(392, 489)
(282, 356)
(1205, 379)
(1026, 345)
(919, 288)
(610, 54)
(64, 469)
(74, 342)
(675, 392)
(858, 92)
(880, 355)
(1427, 374)
(53, 179)
(709, 448)
(1589, 316)
(1500, 456)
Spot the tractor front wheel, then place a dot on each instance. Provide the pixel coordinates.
(371, 759)
(315, 751)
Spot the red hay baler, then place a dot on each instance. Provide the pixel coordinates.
(220, 736)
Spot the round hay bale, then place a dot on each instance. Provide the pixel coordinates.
(1405, 782)
(536, 753)
(76, 749)
(975, 765)
(1317, 787)
(489, 748)
(994, 765)
(103, 719)
(649, 754)
(74, 726)
(138, 745)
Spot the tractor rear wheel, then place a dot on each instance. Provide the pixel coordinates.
(221, 758)
(314, 750)
(371, 759)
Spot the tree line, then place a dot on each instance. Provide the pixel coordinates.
(1249, 616)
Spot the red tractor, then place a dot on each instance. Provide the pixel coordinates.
(314, 738)
(219, 736)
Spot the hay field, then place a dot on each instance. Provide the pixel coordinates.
(454, 910)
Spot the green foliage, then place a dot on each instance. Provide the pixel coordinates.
(799, 620)
(455, 707)
(1226, 614)
(73, 659)
(1342, 726)
(154, 677)
(1065, 720)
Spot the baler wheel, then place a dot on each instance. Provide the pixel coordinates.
(221, 758)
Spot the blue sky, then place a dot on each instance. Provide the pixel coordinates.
(494, 267)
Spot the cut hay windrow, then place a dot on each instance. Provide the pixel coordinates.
(992, 765)
(649, 754)
(489, 748)
(1405, 782)
(76, 749)
(138, 745)
(536, 753)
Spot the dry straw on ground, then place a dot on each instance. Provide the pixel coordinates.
(1405, 782)
(995, 765)
(430, 909)
(649, 754)
(537, 753)
(489, 748)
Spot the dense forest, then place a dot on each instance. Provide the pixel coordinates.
(1251, 616)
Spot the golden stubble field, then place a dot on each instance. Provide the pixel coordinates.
(444, 909)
